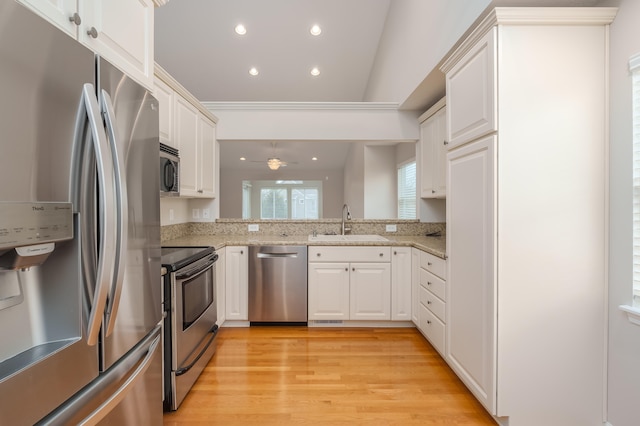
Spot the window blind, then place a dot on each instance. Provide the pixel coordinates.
(407, 191)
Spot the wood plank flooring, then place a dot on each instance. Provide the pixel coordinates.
(310, 376)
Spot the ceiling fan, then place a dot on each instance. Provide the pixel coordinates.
(273, 162)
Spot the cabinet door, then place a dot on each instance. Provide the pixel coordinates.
(426, 152)
(165, 96)
(471, 285)
(370, 291)
(440, 146)
(471, 93)
(186, 138)
(433, 155)
(207, 159)
(328, 291)
(415, 282)
(58, 12)
(122, 32)
(237, 283)
(221, 285)
(401, 275)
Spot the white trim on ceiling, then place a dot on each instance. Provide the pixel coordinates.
(287, 106)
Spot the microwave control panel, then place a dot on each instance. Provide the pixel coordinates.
(28, 223)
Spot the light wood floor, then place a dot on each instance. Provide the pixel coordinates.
(311, 376)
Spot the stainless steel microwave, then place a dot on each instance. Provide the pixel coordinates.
(169, 171)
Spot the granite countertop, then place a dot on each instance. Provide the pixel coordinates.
(433, 245)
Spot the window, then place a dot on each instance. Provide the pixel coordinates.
(634, 65)
(407, 190)
(282, 199)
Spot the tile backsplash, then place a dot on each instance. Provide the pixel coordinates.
(299, 227)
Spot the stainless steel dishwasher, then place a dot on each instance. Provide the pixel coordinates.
(278, 285)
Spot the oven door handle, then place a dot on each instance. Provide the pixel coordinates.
(183, 370)
(189, 273)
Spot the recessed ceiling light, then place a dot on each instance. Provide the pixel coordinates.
(315, 72)
(254, 71)
(314, 158)
(242, 158)
(315, 30)
(240, 29)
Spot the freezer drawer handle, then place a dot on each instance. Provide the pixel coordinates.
(214, 332)
(275, 255)
(107, 406)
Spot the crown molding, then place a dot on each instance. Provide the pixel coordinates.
(300, 106)
(531, 16)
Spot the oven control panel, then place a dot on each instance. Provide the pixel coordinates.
(29, 223)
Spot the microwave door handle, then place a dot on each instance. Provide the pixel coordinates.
(122, 215)
(107, 237)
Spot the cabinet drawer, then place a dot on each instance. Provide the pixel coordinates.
(432, 328)
(432, 303)
(349, 254)
(433, 264)
(432, 283)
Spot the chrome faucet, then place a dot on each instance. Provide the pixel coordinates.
(348, 218)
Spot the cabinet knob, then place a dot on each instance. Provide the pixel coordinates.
(353, 269)
(346, 269)
(75, 18)
(429, 263)
(428, 282)
(200, 191)
(241, 251)
(445, 142)
(93, 33)
(428, 321)
(395, 253)
(381, 254)
(433, 191)
(428, 302)
(318, 254)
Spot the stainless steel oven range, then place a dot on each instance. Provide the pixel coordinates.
(190, 324)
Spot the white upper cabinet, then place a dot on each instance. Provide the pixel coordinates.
(121, 31)
(471, 86)
(187, 126)
(433, 150)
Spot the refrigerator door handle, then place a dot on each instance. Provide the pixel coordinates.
(107, 239)
(110, 403)
(122, 215)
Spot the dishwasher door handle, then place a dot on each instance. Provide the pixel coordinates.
(276, 255)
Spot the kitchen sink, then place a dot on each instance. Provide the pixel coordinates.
(338, 238)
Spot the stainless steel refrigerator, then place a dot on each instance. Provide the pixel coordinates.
(80, 292)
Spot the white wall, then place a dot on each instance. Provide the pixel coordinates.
(624, 337)
(354, 180)
(380, 182)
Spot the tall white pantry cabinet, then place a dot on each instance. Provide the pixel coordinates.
(526, 97)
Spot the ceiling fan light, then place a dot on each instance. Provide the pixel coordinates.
(273, 163)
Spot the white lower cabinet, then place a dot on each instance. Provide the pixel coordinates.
(237, 283)
(328, 291)
(401, 284)
(349, 283)
(431, 300)
(221, 285)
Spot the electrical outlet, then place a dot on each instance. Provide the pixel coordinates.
(206, 213)
(172, 215)
(392, 228)
(254, 227)
(195, 213)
